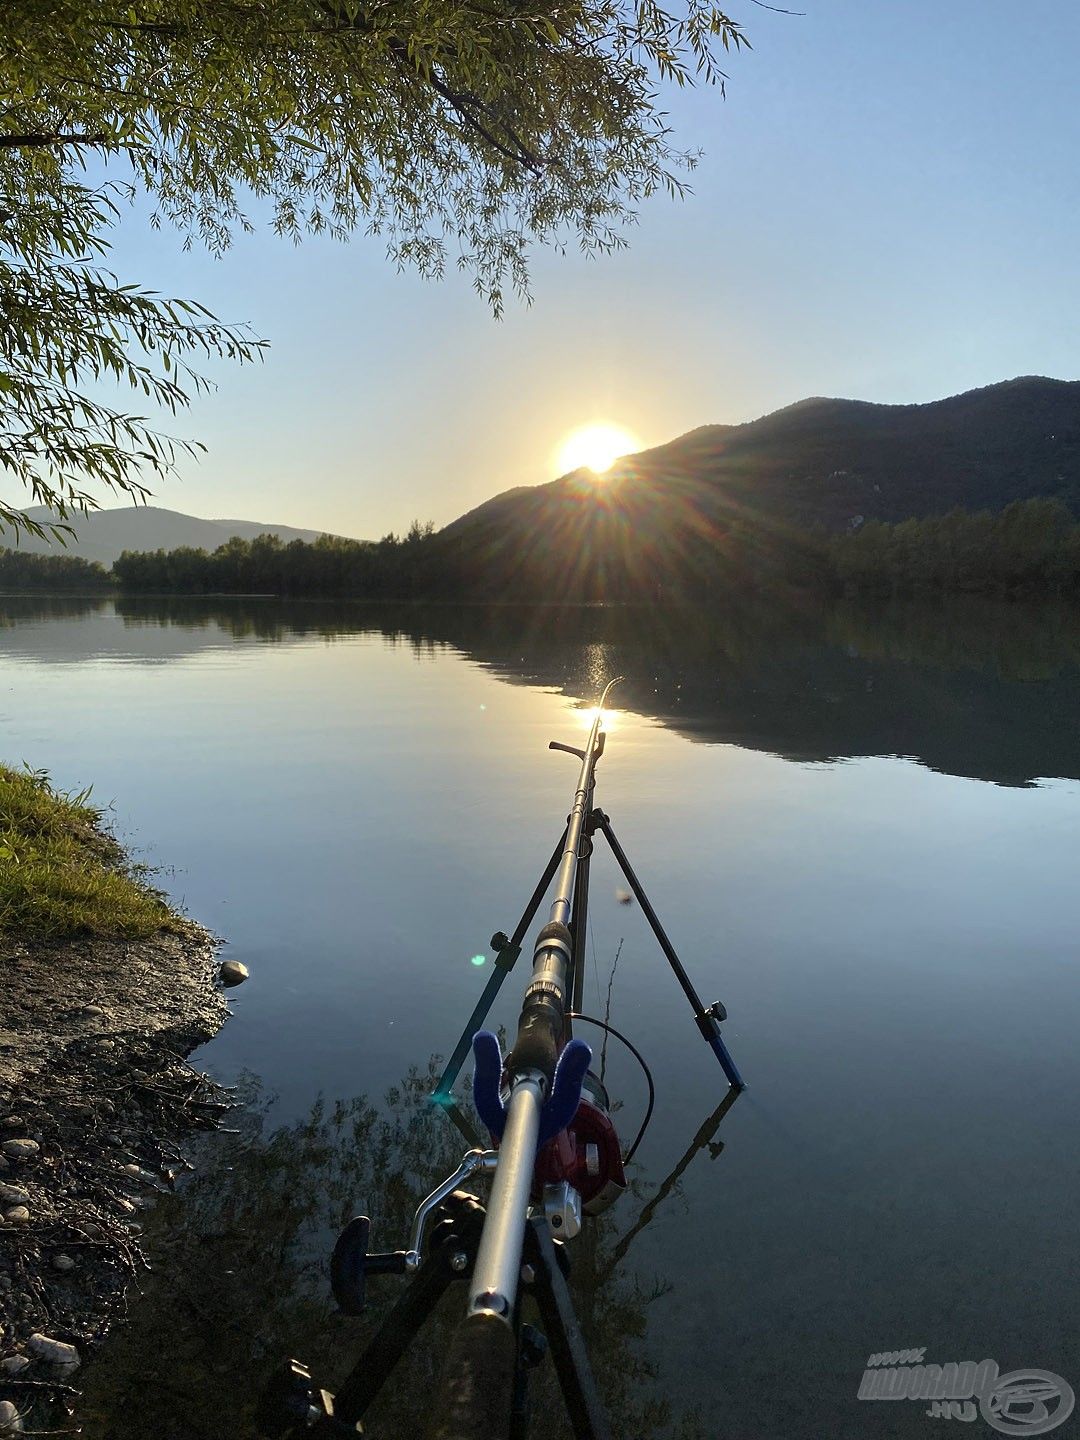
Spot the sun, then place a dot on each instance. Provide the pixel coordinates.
(595, 447)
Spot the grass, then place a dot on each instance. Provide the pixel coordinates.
(60, 876)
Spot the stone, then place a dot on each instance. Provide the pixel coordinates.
(136, 1172)
(53, 1352)
(17, 1215)
(13, 1364)
(12, 1122)
(63, 1263)
(20, 1149)
(14, 1195)
(232, 972)
(10, 1419)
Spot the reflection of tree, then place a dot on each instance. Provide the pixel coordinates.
(240, 1281)
(936, 682)
(19, 609)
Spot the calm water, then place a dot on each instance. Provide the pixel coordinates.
(863, 832)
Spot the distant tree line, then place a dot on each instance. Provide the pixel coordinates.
(20, 570)
(329, 566)
(1032, 547)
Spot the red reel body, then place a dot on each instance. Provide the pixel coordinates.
(587, 1153)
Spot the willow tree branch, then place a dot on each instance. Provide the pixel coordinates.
(28, 142)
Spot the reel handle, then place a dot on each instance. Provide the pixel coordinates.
(350, 1265)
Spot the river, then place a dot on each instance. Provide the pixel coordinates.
(862, 830)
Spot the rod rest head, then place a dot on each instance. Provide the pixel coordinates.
(560, 1106)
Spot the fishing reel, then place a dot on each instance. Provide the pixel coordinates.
(579, 1169)
(584, 1160)
(579, 1164)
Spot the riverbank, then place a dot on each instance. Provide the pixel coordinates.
(104, 991)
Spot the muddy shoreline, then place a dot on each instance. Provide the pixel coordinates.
(97, 1101)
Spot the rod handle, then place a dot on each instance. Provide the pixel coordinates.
(476, 1388)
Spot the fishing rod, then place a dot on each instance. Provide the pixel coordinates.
(555, 1157)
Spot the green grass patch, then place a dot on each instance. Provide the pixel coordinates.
(60, 875)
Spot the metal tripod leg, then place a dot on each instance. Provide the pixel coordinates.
(579, 929)
(504, 963)
(392, 1339)
(587, 1417)
(707, 1022)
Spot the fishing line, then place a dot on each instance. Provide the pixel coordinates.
(595, 966)
(610, 1029)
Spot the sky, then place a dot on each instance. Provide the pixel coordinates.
(887, 209)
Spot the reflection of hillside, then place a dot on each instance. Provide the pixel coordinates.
(972, 687)
(240, 1282)
(978, 688)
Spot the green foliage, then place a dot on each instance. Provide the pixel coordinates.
(598, 553)
(21, 571)
(60, 876)
(66, 327)
(452, 130)
(1032, 546)
(330, 565)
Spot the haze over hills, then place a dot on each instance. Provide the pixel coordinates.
(104, 534)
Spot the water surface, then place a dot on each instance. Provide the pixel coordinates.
(863, 832)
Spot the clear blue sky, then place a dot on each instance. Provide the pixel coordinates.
(887, 209)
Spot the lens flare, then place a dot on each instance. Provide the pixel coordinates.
(478, 960)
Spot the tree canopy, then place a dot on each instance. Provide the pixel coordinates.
(462, 131)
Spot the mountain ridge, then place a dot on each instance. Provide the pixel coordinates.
(102, 535)
(821, 463)
(740, 500)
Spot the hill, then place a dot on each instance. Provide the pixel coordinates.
(746, 494)
(103, 534)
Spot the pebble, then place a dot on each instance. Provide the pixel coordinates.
(232, 972)
(10, 1419)
(13, 1364)
(63, 1263)
(138, 1173)
(55, 1352)
(20, 1149)
(14, 1195)
(12, 1122)
(17, 1215)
